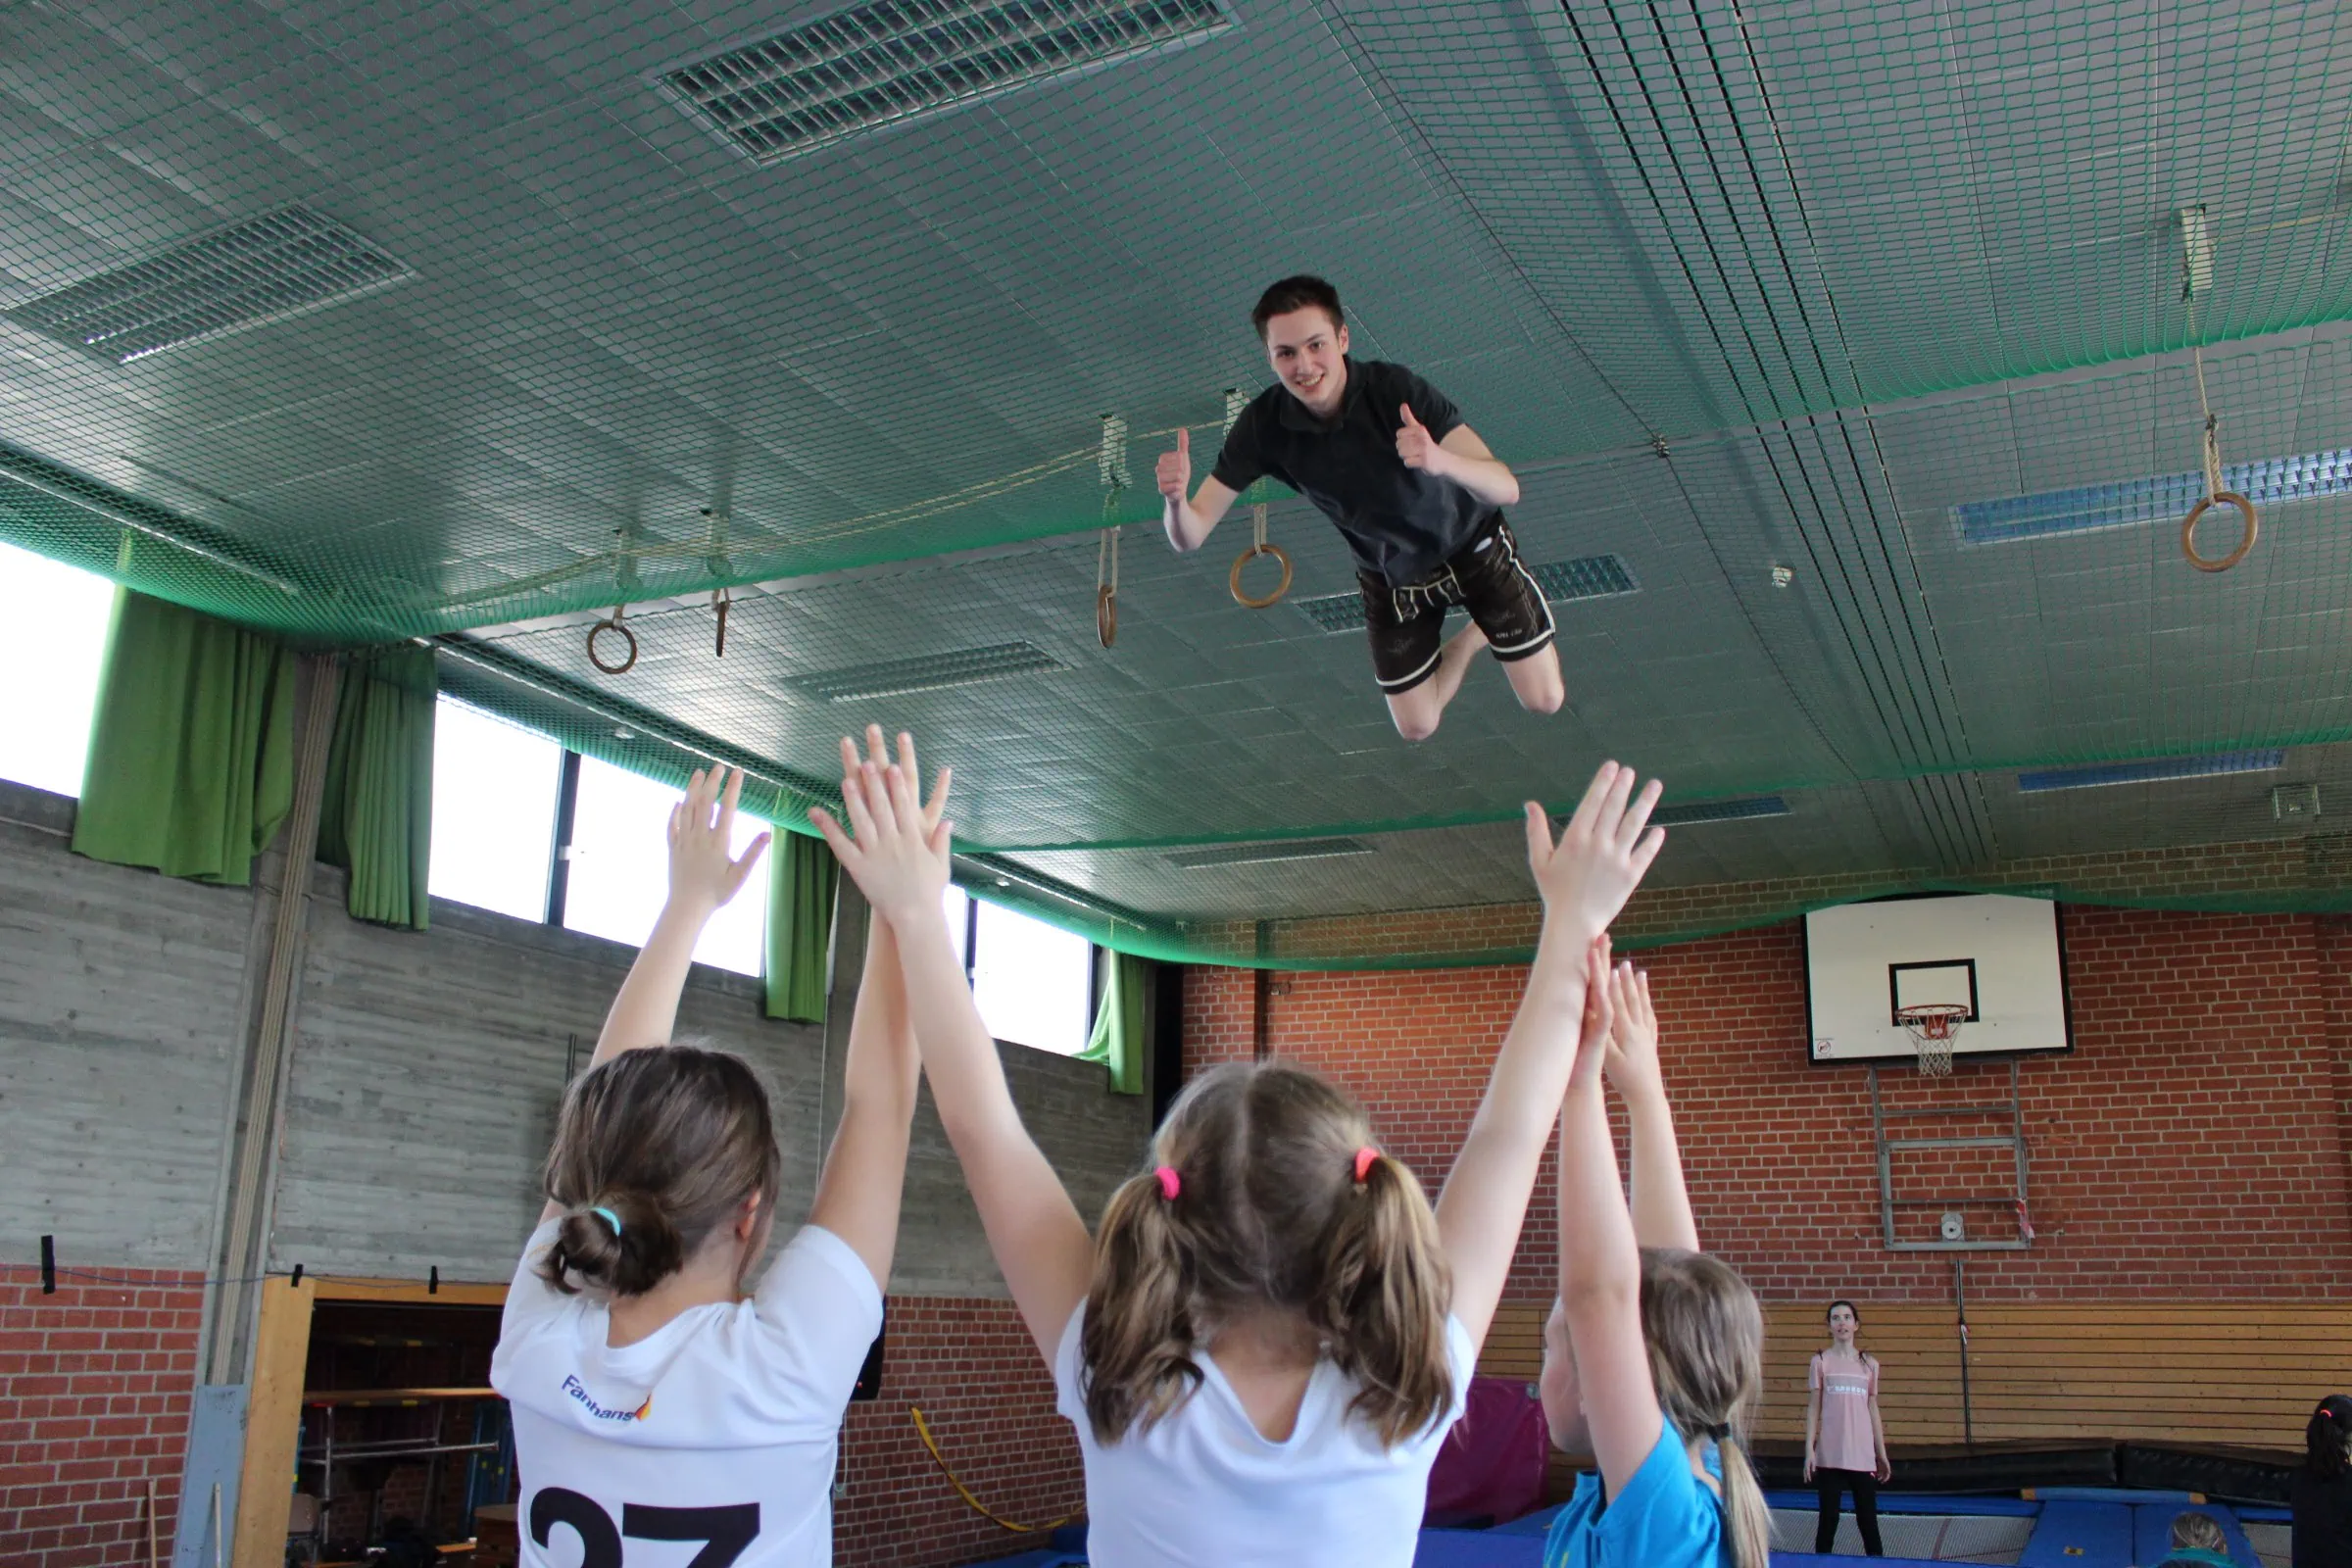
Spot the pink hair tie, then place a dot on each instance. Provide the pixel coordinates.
(1170, 1183)
(1364, 1157)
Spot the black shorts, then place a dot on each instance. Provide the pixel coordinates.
(1407, 623)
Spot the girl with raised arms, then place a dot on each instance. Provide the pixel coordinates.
(1263, 1348)
(651, 1401)
(1655, 1357)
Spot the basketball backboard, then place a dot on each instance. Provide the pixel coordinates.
(1999, 956)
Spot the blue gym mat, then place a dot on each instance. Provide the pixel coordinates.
(1478, 1548)
(1917, 1503)
(2079, 1535)
(2079, 1527)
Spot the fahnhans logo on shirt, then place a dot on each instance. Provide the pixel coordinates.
(574, 1387)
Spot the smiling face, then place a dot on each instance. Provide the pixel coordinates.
(1308, 351)
(1843, 1324)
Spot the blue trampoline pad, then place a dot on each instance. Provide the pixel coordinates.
(1917, 1503)
(2079, 1535)
(1537, 1523)
(1478, 1548)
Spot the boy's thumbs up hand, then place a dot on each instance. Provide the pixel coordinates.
(1176, 468)
(1415, 446)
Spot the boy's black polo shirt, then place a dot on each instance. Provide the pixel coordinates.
(1401, 524)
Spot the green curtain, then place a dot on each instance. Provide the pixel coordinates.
(1118, 1038)
(801, 890)
(377, 818)
(191, 760)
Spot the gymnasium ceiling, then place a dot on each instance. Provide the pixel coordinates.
(1780, 288)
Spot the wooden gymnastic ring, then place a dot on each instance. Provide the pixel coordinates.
(2189, 532)
(1106, 614)
(1234, 580)
(628, 636)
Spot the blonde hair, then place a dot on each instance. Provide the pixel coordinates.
(2198, 1532)
(1267, 1211)
(1705, 1337)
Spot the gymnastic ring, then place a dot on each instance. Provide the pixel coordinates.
(2189, 532)
(1106, 614)
(1234, 581)
(627, 636)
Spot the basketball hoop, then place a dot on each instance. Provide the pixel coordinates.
(1934, 1029)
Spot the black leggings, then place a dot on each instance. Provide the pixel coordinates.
(1828, 1485)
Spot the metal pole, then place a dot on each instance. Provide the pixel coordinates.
(1886, 1154)
(1968, 1420)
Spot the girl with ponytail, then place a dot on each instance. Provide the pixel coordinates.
(1660, 1348)
(2321, 1495)
(1263, 1348)
(650, 1399)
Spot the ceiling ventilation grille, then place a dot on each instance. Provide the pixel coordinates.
(275, 266)
(890, 61)
(1585, 577)
(966, 667)
(1270, 851)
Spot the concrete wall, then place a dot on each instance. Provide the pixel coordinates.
(425, 1076)
(122, 1008)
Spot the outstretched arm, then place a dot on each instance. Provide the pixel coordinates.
(1584, 879)
(1661, 1203)
(1189, 521)
(902, 865)
(1600, 1286)
(703, 876)
(865, 1170)
(1562, 1395)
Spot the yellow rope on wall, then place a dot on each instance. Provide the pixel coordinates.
(923, 1427)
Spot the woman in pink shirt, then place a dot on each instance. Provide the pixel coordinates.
(1846, 1441)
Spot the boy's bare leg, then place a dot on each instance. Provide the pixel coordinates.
(1538, 681)
(1416, 712)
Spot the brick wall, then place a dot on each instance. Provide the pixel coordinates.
(2191, 1147)
(94, 1392)
(970, 1366)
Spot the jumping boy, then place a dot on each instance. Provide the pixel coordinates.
(1387, 457)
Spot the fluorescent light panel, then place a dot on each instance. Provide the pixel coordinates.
(2104, 774)
(2164, 498)
(890, 61)
(1270, 851)
(275, 266)
(932, 672)
(1584, 577)
(1739, 810)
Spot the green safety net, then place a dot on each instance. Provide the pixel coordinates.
(1855, 361)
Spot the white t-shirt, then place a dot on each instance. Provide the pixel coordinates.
(716, 1434)
(1201, 1488)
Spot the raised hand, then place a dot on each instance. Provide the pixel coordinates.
(1416, 448)
(1633, 1058)
(704, 873)
(1601, 857)
(1176, 468)
(896, 847)
(1593, 1043)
